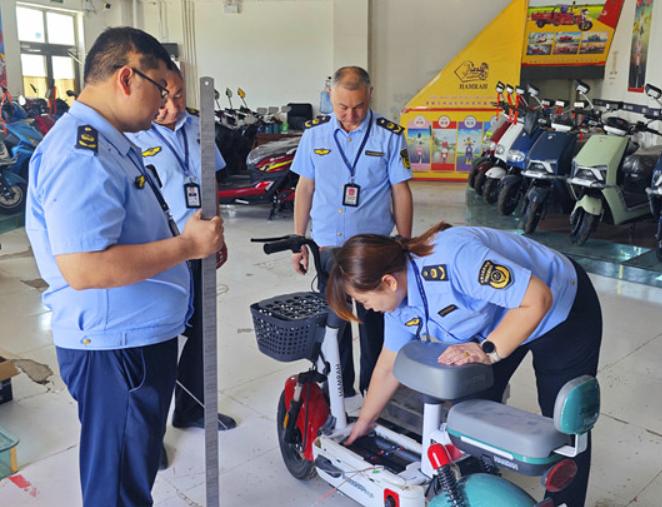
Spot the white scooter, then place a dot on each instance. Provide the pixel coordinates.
(388, 468)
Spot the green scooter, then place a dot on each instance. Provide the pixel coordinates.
(597, 179)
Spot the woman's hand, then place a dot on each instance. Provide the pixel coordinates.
(463, 353)
(361, 428)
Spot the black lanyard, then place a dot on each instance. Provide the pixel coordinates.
(157, 193)
(352, 167)
(424, 298)
(183, 163)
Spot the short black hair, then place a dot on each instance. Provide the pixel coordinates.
(112, 48)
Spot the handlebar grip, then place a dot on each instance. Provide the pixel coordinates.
(280, 246)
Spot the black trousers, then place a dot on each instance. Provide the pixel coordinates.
(371, 338)
(568, 351)
(189, 368)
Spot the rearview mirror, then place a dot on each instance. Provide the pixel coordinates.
(273, 109)
(560, 103)
(21, 100)
(580, 104)
(533, 91)
(582, 87)
(520, 91)
(653, 91)
(510, 89)
(241, 93)
(228, 93)
(262, 110)
(500, 87)
(217, 94)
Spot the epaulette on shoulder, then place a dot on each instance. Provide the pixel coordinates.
(87, 138)
(317, 121)
(389, 125)
(194, 112)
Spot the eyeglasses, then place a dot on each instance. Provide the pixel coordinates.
(162, 89)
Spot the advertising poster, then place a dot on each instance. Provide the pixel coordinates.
(445, 120)
(570, 33)
(641, 30)
(418, 144)
(469, 135)
(444, 144)
(3, 63)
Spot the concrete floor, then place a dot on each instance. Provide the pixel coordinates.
(627, 460)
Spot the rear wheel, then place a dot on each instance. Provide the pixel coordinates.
(491, 190)
(533, 215)
(508, 197)
(292, 453)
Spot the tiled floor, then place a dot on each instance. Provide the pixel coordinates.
(627, 463)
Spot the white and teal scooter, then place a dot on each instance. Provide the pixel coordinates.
(457, 460)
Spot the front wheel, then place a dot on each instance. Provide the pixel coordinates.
(12, 199)
(479, 182)
(582, 224)
(508, 197)
(292, 453)
(585, 25)
(491, 190)
(533, 215)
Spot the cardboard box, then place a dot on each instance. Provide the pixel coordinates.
(7, 371)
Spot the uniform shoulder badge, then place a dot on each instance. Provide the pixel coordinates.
(389, 125)
(435, 273)
(150, 152)
(447, 310)
(404, 156)
(321, 151)
(415, 321)
(317, 121)
(495, 275)
(193, 111)
(88, 138)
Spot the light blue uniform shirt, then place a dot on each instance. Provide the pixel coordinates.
(166, 150)
(471, 279)
(85, 196)
(382, 163)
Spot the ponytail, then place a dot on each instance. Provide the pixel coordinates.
(363, 260)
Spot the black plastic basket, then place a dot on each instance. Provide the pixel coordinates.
(290, 327)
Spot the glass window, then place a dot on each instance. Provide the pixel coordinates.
(60, 28)
(30, 25)
(35, 80)
(64, 77)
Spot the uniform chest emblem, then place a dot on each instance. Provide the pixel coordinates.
(88, 138)
(150, 152)
(435, 273)
(139, 182)
(321, 151)
(495, 275)
(447, 310)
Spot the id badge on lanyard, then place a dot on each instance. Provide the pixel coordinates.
(192, 195)
(192, 192)
(352, 191)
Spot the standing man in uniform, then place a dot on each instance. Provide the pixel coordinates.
(353, 172)
(172, 146)
(115, 263)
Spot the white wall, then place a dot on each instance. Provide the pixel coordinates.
(93, 24)
(411, 41)
(278, 51)
(615, 84)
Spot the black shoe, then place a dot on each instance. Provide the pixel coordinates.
(163, 460)
(225, 422)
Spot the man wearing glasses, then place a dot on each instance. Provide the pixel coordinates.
(115, 264)
(172, 146)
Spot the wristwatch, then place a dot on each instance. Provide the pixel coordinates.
(490, 351)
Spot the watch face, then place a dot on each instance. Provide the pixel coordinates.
(488, 347)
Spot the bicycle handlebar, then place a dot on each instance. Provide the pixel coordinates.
(291, 242)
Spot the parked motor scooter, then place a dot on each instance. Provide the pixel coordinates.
(607, 174)
(550, 161)
(20, 134)
(457, 460)
(270, 179)
(13, 188)
(508, 135)
(654, 191)
(514, 160)
(492, 137)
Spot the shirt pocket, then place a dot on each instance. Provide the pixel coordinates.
(459, 324)
(374, 166)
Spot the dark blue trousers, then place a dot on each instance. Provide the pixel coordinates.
(123, 398)
(566, 352)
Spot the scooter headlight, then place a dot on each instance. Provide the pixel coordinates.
(500, 149)
(600, 172)
(493, 146)
(516, 156)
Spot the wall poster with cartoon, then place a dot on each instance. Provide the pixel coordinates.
(418, 143)
(641, 30)
(444, 144)
(469, 136)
